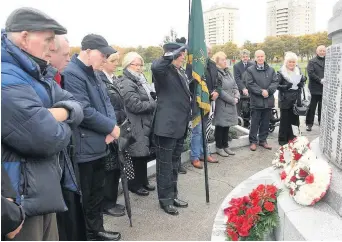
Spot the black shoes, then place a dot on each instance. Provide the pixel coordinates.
(104, 236)
(170, 209)
(141, 192)
(180, 203)
(149, 187)
(309, 128)
(182, 170)
(117, 211)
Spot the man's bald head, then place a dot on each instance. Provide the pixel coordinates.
(61, 56)
(321, 51)
(260, 57)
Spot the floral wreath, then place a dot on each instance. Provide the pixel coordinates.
(251, 217)
(306, 177)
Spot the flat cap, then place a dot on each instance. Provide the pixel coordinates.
(30, 19)
(169, 47)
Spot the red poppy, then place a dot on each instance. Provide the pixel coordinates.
(283, 175)
(303, 173)
(297, 156)
(293, 179)
(271, 189)
(269, 206)
(291, 192)
(309, 179)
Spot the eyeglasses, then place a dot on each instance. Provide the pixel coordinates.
(140, 65)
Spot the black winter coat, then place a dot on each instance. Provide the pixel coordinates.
(258, 79)
(115, 96)
(315, 70)
(239, 70)
(140, 111)
(173, 111)
(287, 97)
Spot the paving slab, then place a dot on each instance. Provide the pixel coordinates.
(194, 223)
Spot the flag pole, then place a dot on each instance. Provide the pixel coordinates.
(206, 179)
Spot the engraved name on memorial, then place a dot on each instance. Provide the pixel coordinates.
(331, 120)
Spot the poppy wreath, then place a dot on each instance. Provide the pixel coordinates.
(306, 177)
(254, 216)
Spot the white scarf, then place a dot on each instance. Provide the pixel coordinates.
(287, 74)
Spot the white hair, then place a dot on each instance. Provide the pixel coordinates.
(58, 39)
(129, 58)
(245, 52)
(290, 56)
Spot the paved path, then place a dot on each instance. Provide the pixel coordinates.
(194, 222)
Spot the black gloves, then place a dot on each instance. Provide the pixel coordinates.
(289, 85)
(302, 82)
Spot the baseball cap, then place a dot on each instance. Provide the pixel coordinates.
(97, 42)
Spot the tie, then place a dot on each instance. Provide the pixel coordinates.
(245, 65)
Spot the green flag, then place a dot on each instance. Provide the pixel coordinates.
(198, 58)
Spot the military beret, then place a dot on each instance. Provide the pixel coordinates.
(169, 47)
(30, 19)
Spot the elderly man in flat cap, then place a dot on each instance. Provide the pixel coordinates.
(37, 117)
(97, 130)
(170, 122)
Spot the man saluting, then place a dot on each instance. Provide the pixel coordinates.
(170, 122)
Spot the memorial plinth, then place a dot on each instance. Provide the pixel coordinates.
(331, 120)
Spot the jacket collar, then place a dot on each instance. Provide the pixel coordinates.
(266, 66)
(87, 69)
(319, 60)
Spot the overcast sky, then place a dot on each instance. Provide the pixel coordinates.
(146, 22)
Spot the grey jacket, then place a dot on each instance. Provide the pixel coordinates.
(225, 108)
(140, 111)
(258, 79)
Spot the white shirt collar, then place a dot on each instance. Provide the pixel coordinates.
(109, 77)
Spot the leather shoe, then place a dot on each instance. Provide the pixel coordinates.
(170, 209)
(105, 236)
(149, 187)
(210, 159)
(309, 128)
(253, 147)
(197, 164)
(116, 211)
(141, 192)
(182, 170)
(229, 151)
(266, 146)
(180, 203)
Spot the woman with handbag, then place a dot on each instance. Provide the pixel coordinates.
(139, 101)
(291, 82)
(112, 166)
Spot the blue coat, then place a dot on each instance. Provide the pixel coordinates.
(99, 117)
(31, 137)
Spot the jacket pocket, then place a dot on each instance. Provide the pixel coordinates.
(92, 143)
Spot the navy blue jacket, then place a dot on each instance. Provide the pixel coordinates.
(31, 137)
(99, 117)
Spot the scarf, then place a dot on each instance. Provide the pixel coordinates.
(288, 75)
(147, 86)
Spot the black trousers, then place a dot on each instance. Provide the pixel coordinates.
(221, 137)
(310, 116)
(287, 119)
(260, 121)
(71, 224)
(168, 152)
(140, 173)
(92, 177)
(111, 188)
